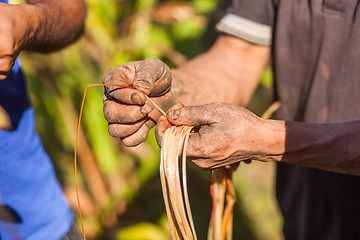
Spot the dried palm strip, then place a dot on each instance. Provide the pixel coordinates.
(223, 200)
(217, 190)
(174, 190)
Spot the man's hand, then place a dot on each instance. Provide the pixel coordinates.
(13, 28)
(224, 134)
(129, 114)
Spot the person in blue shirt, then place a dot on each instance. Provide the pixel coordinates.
(32, 204)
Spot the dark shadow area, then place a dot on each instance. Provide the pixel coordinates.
(9, 215)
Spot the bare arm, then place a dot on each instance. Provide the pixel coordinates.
(55, 23)
(229, 72)
(39, 25)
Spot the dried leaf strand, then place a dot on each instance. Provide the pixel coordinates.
(175, 191)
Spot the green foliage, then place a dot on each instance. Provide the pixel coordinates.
(117, 32)
(143, 231)
(204, 6)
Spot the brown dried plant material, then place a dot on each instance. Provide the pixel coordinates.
(175, 189)
(223, 200)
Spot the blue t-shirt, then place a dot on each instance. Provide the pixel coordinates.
(32, 204)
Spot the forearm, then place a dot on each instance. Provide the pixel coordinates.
(331, 147)
(53, 24)
(236, 63)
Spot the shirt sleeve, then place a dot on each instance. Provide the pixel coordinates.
(250, 20)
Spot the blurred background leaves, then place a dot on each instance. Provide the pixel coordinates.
(119, 187)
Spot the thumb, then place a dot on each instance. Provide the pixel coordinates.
(148, 72)
(193, 115)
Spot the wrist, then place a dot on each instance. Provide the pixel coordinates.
(272, 140)
(175, 86)
(180, 92)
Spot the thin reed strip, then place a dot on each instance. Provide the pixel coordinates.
(271, 109)
(218, 191)
(184, 181)
(77, 139)
(227, 221)
(175, 191)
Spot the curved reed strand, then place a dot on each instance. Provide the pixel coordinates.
(175, 191)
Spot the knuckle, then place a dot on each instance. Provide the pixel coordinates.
(159, 67)
(119, 74)
(109, 75)
(153, 61)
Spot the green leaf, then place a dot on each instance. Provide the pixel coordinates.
(142, 231)
(204, 6)
(267, 77)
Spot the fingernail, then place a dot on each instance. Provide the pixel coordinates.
(136, 99)
(174, 114)
(146, 109)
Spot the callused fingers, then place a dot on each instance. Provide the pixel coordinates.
(121, 130)
(150, 76)
(115, 112)
(125, 95)
(120, 80)
(140, 135)
(195, 115)
(149, 72)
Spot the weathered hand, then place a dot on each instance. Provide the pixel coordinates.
(129, 114)
(14, 26)
(224, 133)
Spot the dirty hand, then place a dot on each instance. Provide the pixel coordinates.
(15, 27)
(129, 114)
(224, 133)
